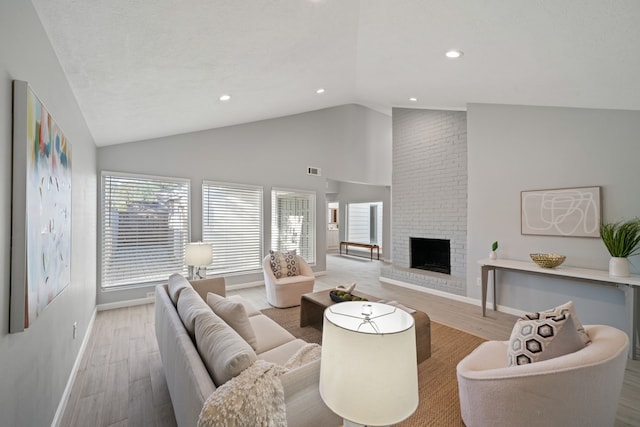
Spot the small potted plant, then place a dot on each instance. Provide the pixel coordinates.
(493, 254)
(622, 240)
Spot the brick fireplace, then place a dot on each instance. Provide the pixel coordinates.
(429, 194)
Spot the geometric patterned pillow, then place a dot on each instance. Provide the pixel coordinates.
(284, 264)
(543, 339)
(566, 308)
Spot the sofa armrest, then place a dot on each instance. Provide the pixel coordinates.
(302, 398)
(215, 285)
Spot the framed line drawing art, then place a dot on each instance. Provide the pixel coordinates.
(573, 212)
(41, 209)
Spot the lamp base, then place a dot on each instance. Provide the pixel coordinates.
(197, 273)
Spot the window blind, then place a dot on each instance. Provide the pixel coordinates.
(293, 224)
(364, 223)
(232, 223)
(145, 226)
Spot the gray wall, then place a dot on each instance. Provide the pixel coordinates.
(515, 148)
(349, 143)
(346, 192)
(36, 363)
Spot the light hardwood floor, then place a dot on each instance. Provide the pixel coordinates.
(121, 383)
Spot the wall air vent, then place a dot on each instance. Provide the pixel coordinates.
(314, 171)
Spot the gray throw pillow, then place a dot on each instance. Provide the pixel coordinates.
(176, 284)
(235, 315)
(222, 350)
(190, 306)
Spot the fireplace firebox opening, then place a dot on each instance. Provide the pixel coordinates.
(431, 254)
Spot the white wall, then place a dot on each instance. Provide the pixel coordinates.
(36, 363)
(271, 153)
(515, 148)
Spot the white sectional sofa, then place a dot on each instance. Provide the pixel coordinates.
(180, 313)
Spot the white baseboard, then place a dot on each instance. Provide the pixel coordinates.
(461, 298)
(510, 310)
(261, 282)
(245, 285)
(128, 303)
(72, 376)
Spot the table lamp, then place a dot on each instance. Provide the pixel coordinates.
(368, 368)
(197, 256)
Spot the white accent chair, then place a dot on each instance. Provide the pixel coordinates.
(286, 291)
(578, 389)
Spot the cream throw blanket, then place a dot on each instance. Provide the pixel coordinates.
(255, 397)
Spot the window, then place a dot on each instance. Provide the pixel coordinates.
(293, 222)
(364, 223)
(232, 223)
(145, 226)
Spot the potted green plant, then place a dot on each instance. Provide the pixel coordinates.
(493, 254)
(622, 240)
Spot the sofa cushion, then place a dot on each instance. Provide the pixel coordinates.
(269, 334)
(176, 284)
(234, 313)
(284, 264)
(190, 305)
(223, 351)
(559, 311)
(281, 354)
(543, 339)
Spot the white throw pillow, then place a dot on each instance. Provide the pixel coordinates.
(235, 315)
(559, 311)
(248, 306)
(543, 339)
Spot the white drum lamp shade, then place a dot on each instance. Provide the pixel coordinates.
(368, 369)
(198, 254)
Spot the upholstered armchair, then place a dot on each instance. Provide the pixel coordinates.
(577, 389)
(286, 291)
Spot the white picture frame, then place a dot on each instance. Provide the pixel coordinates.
(569, 212)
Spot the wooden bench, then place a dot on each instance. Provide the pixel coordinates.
(360, 245)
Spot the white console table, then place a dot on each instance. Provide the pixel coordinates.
(629, 285)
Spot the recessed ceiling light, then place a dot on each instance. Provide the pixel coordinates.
(454, 54)
(412, 99)
(225, 97)
(319, 91)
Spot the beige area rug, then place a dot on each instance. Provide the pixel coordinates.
(439, 404)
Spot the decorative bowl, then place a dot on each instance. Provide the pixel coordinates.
(548, 260)
(344, 297)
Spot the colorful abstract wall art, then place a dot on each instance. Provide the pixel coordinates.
(41, 223)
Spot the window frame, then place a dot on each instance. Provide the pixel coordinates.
(102, 241)
(212, 270)
(379, 222)
(311, 260)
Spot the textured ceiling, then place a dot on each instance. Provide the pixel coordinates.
(149, 68)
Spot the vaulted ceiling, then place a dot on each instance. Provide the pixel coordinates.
(149, 68)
